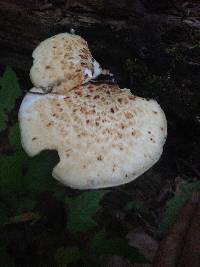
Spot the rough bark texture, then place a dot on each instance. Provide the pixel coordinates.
(151, 46)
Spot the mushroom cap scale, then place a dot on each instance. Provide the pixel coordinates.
(63, 57)
(104, 136)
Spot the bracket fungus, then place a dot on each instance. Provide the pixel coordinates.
(104, 135)
(63, 57)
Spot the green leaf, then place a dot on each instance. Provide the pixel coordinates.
(11, 172)
(175, 205)
(188, 188)
(118, 246)
(14, 137)
(38, 177)
(67, 255)
(10, 90)
(82, 209)
(20, 173)
(3, 120)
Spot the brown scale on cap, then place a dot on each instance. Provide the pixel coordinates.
(63, 57)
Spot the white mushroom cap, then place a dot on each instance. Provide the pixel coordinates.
(63, 57)
(104, 136)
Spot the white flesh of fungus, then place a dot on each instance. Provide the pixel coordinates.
(104, 136)
(63, 57)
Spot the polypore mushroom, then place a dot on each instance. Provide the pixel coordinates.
(104, 135)
(63, 57)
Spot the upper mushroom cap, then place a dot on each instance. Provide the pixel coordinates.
(63, 57)
(104, 136)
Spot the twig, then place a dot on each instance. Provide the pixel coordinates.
(23, 218)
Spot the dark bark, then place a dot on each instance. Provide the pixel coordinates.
(123, 28)
(151, 46)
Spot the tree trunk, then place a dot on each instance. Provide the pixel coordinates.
(150, 46)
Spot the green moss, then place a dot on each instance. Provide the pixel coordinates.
(135, 67)
(196, 45)
(175, 52)
(146, 81)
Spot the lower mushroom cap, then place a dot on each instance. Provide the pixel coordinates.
(104, 136)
